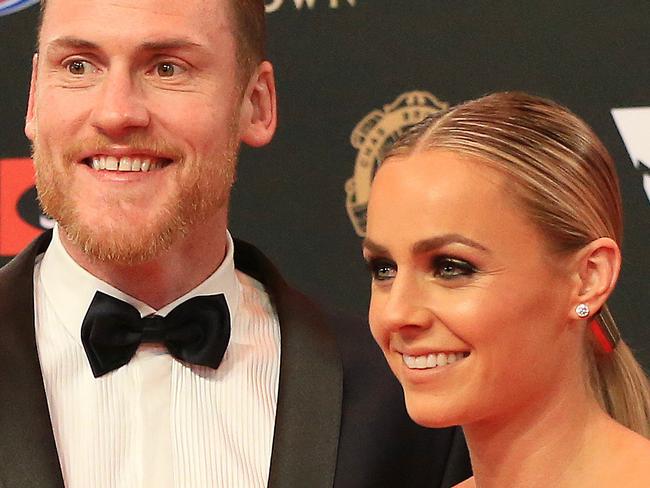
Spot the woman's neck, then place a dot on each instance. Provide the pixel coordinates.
(548, 441)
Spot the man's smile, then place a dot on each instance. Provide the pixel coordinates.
(126, 163)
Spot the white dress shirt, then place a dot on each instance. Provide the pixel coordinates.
(158, 422)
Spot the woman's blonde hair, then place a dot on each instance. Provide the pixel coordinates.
(566, 181)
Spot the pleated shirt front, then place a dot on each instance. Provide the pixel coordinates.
(158, 422)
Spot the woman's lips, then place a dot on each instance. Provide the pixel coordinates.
(433, 359)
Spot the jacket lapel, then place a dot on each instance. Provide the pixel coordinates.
(309, 399)
(27, 447)
(310, 395)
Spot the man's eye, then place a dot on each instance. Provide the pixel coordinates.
(449, 268)
(167, 70)
(381, 269)
(80, 67)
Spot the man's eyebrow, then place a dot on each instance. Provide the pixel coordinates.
(437, 242)
(165, 44)
(71, 42)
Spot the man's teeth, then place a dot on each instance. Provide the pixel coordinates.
(111, 163)
(432, 360)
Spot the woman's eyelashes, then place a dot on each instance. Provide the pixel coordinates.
(449, 268)
(381, 269)
(442, 267)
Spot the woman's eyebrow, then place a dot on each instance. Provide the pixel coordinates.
(437, 242)
(373, 247)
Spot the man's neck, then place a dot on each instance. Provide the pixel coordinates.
(160, 281)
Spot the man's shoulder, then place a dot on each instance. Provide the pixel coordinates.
(376, 431)
(285, 298)
(351, 332)
(18, 273)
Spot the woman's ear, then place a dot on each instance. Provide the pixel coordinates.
(598, 266)
(258, 115)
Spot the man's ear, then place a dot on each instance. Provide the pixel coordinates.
(598, 267)
(30, 118)
(258, 115)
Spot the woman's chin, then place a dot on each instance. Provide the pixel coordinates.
(428, 414)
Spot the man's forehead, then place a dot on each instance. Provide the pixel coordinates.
(149, 4)
(139, 15)
(126, 24)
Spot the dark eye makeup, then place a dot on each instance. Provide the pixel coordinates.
(443, 267)
(381, 269)
(449, 268)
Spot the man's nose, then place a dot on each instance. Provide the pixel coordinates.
(120, 106)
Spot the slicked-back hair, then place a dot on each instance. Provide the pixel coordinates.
(565, 181)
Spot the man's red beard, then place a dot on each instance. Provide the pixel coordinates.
(202, 190)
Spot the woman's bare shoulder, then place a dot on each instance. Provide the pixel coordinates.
(630, 465)
(468, 483)
(639, 451)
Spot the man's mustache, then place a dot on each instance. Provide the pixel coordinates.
(135, 144)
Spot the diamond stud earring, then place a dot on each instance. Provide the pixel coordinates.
(582, 310)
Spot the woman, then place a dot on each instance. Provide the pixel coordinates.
(493, 240)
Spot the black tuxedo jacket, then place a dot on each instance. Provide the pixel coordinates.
(340, 418)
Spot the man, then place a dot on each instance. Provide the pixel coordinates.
(136, 112)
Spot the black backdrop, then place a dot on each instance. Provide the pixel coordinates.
(340, 61)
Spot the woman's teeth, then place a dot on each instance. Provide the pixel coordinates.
(111, 163)
(433, 360)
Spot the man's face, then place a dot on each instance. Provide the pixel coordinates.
(135, 121)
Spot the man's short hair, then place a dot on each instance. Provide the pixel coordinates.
(250, 32)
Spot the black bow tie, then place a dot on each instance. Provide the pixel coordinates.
(197, 331)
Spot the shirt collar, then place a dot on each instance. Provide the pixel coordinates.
(69, 288)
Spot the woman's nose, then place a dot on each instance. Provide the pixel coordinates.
(406, 305)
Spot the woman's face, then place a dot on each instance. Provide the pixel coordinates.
(469, 307)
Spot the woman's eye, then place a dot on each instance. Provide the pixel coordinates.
(382, 270)
(80, 67)
(167, 69)
(450, 268)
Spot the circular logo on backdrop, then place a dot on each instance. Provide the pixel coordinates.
(373, 136)
(10, 6)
